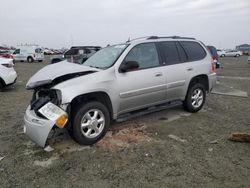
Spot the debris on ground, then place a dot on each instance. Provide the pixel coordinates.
(123, 138)
(48, 148)
(213, 142)
(45, 163)
(240, 137)
(177, 138)
(1, 158)
(210, 149)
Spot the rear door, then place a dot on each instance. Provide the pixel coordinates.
(173, 57)
(144, 86)
(38, 53)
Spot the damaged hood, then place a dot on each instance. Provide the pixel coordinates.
(55, 73)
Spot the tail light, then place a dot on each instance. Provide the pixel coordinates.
(8, 65)
(213, 65)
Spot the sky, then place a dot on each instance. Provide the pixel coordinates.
(63, 23)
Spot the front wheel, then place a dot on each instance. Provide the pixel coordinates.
(195, 98)
(90, 123)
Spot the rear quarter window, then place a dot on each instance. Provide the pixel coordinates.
(194, 50)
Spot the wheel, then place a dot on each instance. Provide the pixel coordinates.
(90, 123)
(30, 59)
(222, 55)
(195, 98)
(237, 55)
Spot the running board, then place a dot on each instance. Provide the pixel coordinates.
(152, 109)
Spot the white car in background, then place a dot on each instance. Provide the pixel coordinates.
(220, 52)
(28, 53)
(8, 75)
(230, 53)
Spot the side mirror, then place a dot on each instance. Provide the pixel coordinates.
(128, 66)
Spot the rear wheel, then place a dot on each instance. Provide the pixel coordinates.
(237, 55)
(222, 55)
(195, 98)
(90, 123)
(30, 59)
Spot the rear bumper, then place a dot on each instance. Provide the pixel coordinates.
(212, 80)
(36, 128)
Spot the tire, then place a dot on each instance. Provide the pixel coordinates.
(222, 55)
(86, 128)
(1, 86)
(237, 55)
(30, 59)
(195, 98)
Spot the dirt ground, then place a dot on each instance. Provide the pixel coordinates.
(171, 148)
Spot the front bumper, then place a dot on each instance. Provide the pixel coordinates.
(36, 128)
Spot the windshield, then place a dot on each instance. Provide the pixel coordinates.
(106, 57)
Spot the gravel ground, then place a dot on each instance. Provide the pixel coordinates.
(170, 148)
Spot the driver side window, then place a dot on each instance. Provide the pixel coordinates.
(17, 51)
(145, 54)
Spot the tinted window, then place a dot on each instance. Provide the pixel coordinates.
(72, 52)
(145, 54)
(194, 50)
(87, 51)
(17, 51)
(212, 50)
(182, 53)
(169, 52)
(38, 50)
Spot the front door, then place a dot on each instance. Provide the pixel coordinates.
(144, 86)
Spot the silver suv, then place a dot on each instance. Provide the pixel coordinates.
(117, 81)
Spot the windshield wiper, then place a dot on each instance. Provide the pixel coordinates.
(95, 67)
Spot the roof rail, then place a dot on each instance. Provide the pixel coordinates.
(171, 37)
(129, 40)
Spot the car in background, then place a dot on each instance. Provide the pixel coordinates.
(7, 55)
(215, 55)
(77, 54)
(231, 53)
(8, 75)
(220, 52)
(28, 53)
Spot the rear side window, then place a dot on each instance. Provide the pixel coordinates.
(170, 53)
(194, 50)
(72, 52)
(182, 53)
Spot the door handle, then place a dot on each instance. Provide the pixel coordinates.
(158, 74)
(190, 69)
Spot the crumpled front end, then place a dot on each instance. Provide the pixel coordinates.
(36, 128)
(42, 114)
